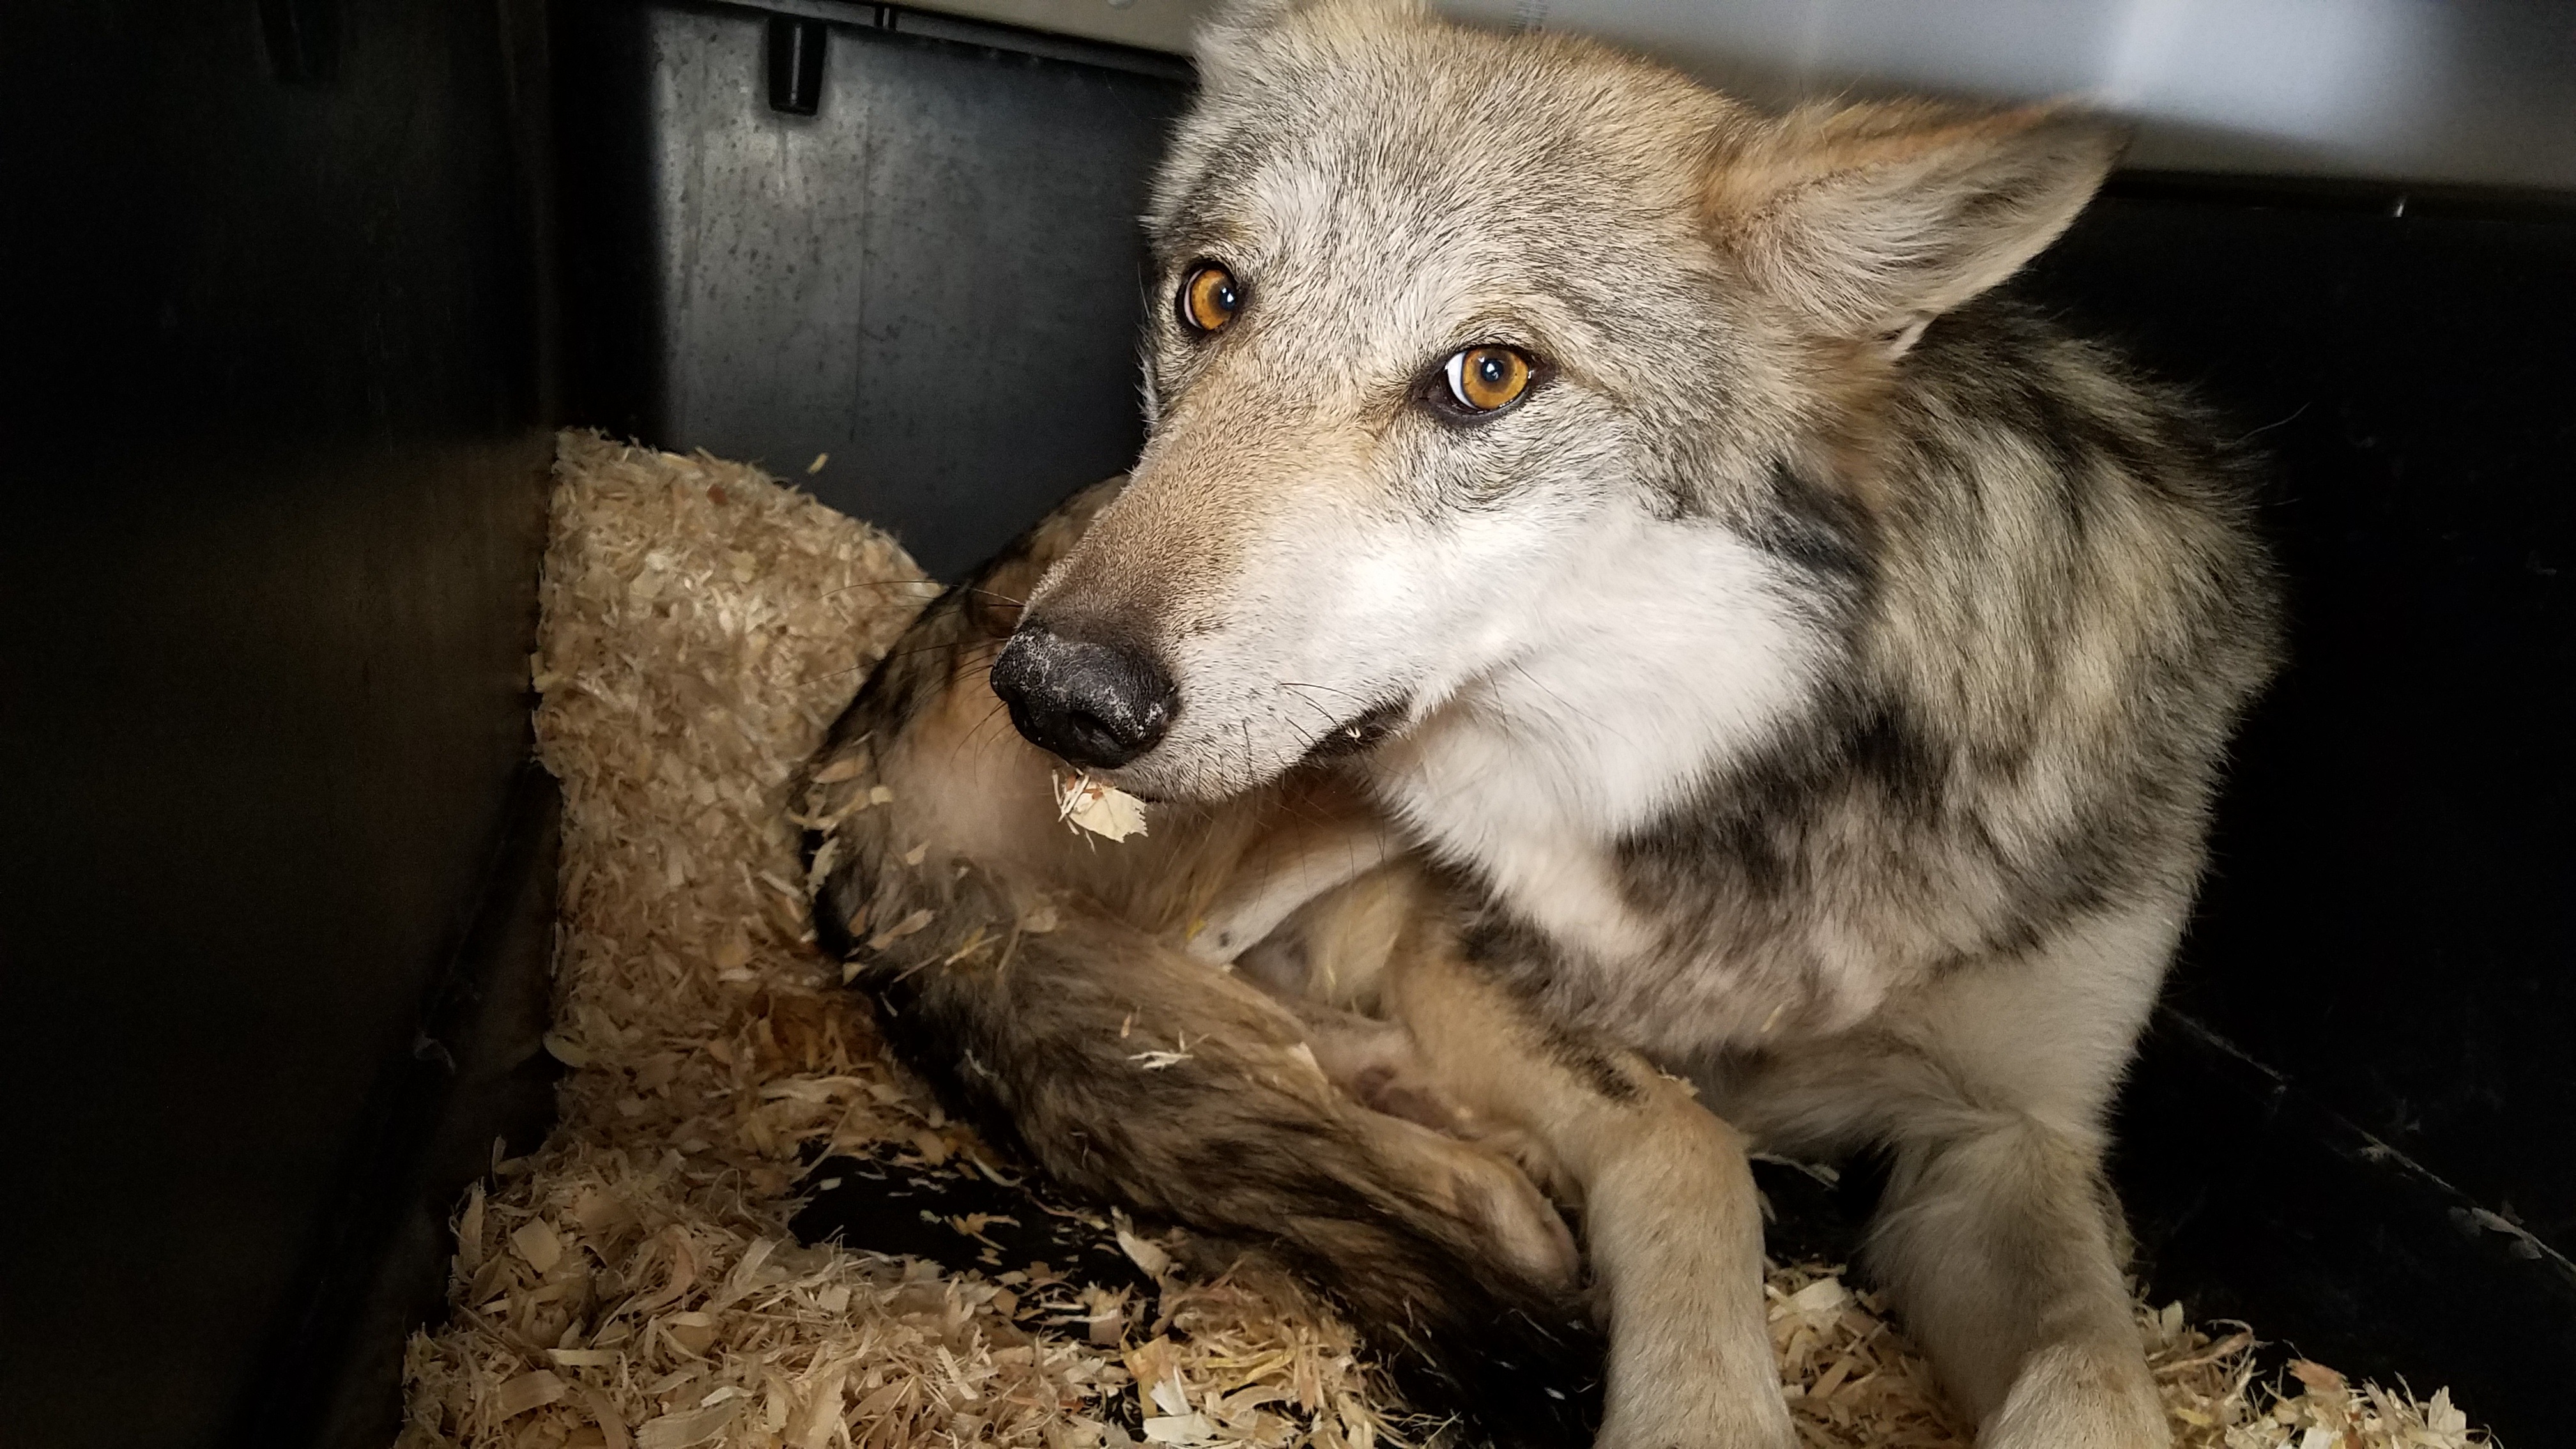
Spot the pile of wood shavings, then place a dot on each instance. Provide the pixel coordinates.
(1853, 1381)
(634, 1282)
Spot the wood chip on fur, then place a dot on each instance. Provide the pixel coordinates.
(633, 1284)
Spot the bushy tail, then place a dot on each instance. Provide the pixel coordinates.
(1130, 1071)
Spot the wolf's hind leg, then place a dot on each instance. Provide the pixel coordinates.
(1326, 840)
(1133, 1071)
(1670, 1212)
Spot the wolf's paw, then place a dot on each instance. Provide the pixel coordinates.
(1682, 1413)
(2069, 1397)
(1740, 1434)
(1487, 1192)
(1214, 943)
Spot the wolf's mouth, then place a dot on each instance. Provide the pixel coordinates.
(1357, 735)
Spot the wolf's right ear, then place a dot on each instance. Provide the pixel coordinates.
(1229, 41)
(1869, 221)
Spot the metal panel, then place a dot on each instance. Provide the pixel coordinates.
(1154, 24)
(935, 279)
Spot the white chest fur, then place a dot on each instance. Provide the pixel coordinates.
(1681, 648)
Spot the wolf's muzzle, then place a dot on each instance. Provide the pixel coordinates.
(1099, 704)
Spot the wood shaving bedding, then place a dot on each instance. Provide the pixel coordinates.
(1084, 803)
(634, 1283)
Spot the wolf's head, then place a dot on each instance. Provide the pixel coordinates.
(1450, 324)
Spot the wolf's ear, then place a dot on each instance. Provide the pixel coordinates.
(1229, 41)
(1871, 220)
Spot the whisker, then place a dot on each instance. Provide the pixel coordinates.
(976, 735)
(994, 719)
(932, 584)
(2279, 422)
(963, 649)
(886, 584)
(1582, 714)
(1305, 812)
(1330, 719)
(1344, 693)
(965, 653)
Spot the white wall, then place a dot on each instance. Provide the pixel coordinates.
(2457, 91)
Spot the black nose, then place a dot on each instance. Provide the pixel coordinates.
(1098, 704)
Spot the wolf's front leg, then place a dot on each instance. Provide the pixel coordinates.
(1670, 1213)
(1998, 1239)
(1675, 1228)
(1999, 1242)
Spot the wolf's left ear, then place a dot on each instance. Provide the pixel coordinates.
(1869, 221)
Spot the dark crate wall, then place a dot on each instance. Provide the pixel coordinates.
(927, 268)
(272, 861)
(2349, 1125)
(2392, 915)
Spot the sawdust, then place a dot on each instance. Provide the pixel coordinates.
(634, 1284)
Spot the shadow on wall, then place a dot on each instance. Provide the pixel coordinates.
(278, 446)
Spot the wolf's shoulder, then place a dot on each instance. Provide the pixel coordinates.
(2006, 368)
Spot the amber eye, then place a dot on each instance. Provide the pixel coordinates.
(1209, 297)
(1487, 379)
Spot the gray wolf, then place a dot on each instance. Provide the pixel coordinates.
(1642, 654)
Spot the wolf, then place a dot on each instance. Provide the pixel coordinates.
(1639, 653)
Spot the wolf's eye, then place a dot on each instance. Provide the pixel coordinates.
(1210, 297)
(1486, 379)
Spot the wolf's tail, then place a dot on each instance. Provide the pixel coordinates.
(1130, 1071)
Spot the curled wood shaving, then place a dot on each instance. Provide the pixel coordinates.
(633, 1284)
(1082, 802)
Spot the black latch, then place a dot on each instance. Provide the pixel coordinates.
(796, 64)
